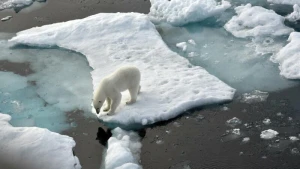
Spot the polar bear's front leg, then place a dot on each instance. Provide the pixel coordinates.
(108, 104)
(116, 100)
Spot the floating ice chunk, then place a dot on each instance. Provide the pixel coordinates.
(6, 4)
(255, 96)
(236, 131)
(285, 2)
(267, 121)
(191, 41)
(289, 57)
(131, 38)
(182, 45)
(246, 140)
(234, 122)
(268, 134)
(123, 150)
(192, 54)
(179, 12)
(294, 138)
(6, 18)
(256, 22)
(295, 151)
(295, 15)
(32, 147)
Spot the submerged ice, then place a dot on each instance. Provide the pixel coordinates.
(233, 60)
(54, 87)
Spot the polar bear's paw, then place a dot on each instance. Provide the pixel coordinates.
(130, 102)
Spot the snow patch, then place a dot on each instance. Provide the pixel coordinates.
(256, 21)
(32, 147)
(115, 39)
(179, 12)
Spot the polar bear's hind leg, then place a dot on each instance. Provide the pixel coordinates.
(133, 94)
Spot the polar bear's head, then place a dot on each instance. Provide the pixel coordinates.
(99, 99)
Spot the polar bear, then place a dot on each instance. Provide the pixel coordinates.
(110, 88)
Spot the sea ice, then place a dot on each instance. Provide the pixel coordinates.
(255, 96)
(295, 15)
(234, 121)
(123, 150)
(268, 134)
(16, 4)
(285, 2)
(267, 121)
(288, 57)
(35, 148)
(179, 12)
(236, 131)
(111, 40)
(294, 138)
(233, 60)
(256, 21)
(182, 45)
(246, 140)
(6, 18)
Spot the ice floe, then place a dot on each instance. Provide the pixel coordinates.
(234, 121)
(267, 121)
(7, 4)
(288, 57)
(268, 134)
(169, 83)
(123, 150)
(35, 148)
(246, 140)
(182, 45)
(285, 2)
(256, 21)
(295, 15)
(294, 138)
(233, 60)
(179, 12)
(6, 18)
(255, 96)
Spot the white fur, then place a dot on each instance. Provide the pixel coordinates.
(110, 88)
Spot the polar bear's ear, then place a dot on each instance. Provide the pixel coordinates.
(99, 101)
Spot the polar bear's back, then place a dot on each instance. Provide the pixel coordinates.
(125, 77)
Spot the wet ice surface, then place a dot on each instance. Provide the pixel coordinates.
(231, 59)
(54, 86)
